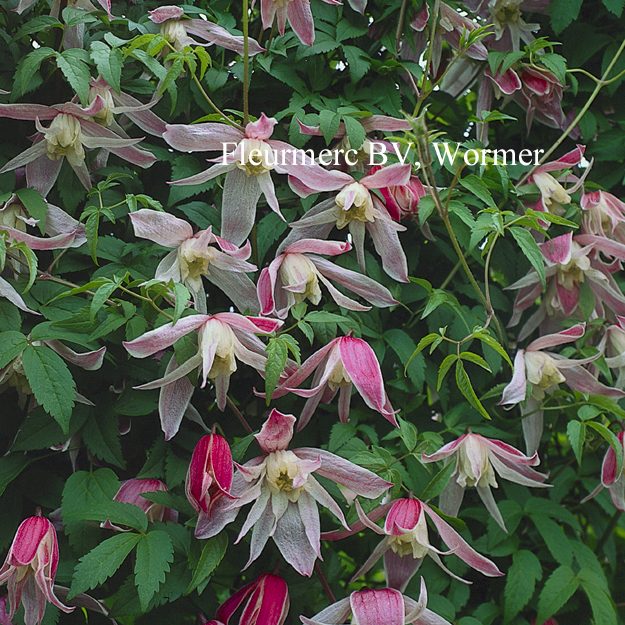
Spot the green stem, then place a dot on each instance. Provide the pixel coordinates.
(246, 62)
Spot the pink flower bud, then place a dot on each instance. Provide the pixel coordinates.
(30, 568)
(276, 433)
(210, 473)
(267, 605)
(402, 201)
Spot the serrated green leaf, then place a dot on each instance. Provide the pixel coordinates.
(182, 297)
(554, 538)
(212, 554)
(408, 434)
(28, 67)
(277, 352)
(340, 434)
(12, 344)
(155, 553)
(102, 562)
(101, 295)
(475, 359)
(37, 24)
(466, 388)
(109, 63)
(329, 124)
(444, 368)
(40, 431)
(614, 6)
(76, 72)
(563, 13)
(205, 60)
(101, 436)
(483, 336)
(355, 132)
(558, 589)
(92, 225)
(603, 608)
(576, 433)
(404, 347)
(358, 65)
(476, 186)
(36, 206)
(118, 513)
(10, 467)
(530, 249)
(521, 580)
(51, 382)
(438, 482)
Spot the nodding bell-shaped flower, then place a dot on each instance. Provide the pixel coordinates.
(131, 491)
(385, 606)
(477, 459)
(285, 495)
(268, 603)
(209, 477)
(615, 483)
(406, 542)
(29, 569)
(604, 215)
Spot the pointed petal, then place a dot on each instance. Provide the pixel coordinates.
(90, 361)
(238, 208)
(202, 137)
(487, 498)
(162, 228)
(517, 389)
(163, 337)
(173, 401)
(291, 539)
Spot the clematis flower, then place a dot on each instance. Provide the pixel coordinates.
(603, 216)
(402, 201)
(30, 568)
(209, 477)
(194, 256)
(361, 211)
(71, 131)
(477, 458)
(81, 4)
(344, 362)
(538, 373)
(222, 339)
(268, 603)
(541, 96)
(385, 606)
(295, 274)
(297, 12)
(614, 341)
(177, 31)
(406, 542)
(131, 491)
(285, 495)
(247, 168)
(609, 478)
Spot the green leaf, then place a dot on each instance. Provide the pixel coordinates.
(277, 352)
(329, 124)
(84, 489)
(212, 554)
(614, 6)
(408, 434)
(475, 359)
(40, 431)
(37, 24)
(558, 589)
(444, 368)
(357, 64)
(100, 434)
(340, 434)
(101, 295)
(118, 513)
(556, 63)
(12, 344)
(355, 132)
(28, 67)
(92, 225)
(476, 185)
(464, 384)
(36, 206)
(521, 580)
(10, 467)
(76, 72)
(576, 432)
(109, 63)
(555, 539)
(485, 337)
(530, 249)
(563, 13)
(611, 438)
(102, 562)
(404, 347)
(438, 482)
(603, 608)
(51, 382)
(155, 553)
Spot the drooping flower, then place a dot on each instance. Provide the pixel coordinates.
(71, 131)
(385, 606)
(541, 95)
(361, 211)
(222, 339)
(177, 31)
(343, 363)
(406, 542)
(603, 216)
(247, 168)
(538, 373)
(30, 568)
(268, 603)
(131, 491)
(614, 340)
(298, 14)
(477, 460)
(295, 274)
(209, 477)
(285, 495)
(197, 255)
(615, 483)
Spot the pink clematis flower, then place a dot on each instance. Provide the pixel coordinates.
(295, 274)
(285, 495)
(71, 131)
(541, 96)
(222, 339)
(385, 606)
(342, 363)
(362, 211)
(402, 201)
(177, 31)
(297, 12)
(610, 480)
(406, 542)
(268, 603)
(539, 373)
(209, 477)
(603, 216)
(614, 341)
(195, 256)
(247, 168)
(131, 491)
(30, 568)
(477, 459)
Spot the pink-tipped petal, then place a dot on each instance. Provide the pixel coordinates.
(162, 228)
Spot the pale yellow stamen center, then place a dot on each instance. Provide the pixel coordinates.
(63, 138)
(361, 207)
